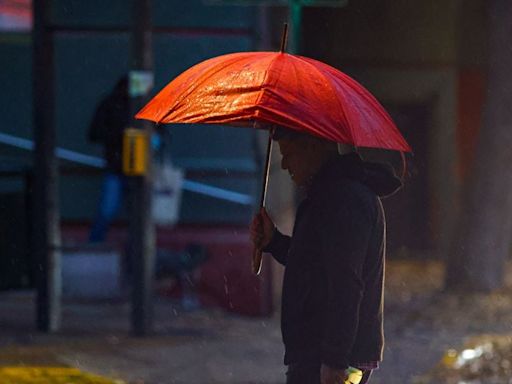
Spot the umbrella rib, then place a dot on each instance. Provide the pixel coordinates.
(264, 82)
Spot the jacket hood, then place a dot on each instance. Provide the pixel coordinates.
(380, 178)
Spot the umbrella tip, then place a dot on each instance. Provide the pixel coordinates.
(284, 38)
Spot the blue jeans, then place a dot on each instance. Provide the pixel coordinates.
(110, 201)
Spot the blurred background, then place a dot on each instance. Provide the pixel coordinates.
(186, 298)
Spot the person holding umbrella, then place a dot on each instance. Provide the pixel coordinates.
(332, 292)
(332, 299)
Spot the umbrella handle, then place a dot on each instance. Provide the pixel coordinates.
(256, 253)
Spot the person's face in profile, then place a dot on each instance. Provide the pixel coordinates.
(299, 158)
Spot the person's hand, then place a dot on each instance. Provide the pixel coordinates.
(329, 375)
(262, 229)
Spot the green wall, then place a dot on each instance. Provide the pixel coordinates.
(92, 50)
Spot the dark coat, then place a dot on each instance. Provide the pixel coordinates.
(332, 300)
(110, 119)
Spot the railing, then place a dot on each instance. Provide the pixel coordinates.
(98, 163)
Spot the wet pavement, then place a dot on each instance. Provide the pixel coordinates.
(212, 346)
(204, 346)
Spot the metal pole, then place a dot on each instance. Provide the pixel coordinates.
(142, 232)
(284, 38)
(256, 254)
(46, 236)
(295, 16)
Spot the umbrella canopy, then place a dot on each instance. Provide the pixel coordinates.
(277, 88)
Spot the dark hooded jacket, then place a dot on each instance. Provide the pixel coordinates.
(111, 118)
(332, 300)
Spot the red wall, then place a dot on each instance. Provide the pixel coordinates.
(226, 279)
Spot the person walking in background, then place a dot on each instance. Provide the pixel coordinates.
(332, 298)
(110, 119)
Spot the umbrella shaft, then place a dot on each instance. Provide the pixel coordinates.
(266, 172)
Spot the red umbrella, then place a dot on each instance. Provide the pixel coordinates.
(275, 88)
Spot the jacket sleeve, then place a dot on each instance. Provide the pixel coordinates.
(278, 246)
(345, 226)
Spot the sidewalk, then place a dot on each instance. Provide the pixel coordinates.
(207, 346)
(211, 346)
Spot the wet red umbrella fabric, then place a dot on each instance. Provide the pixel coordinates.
(276, 88)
